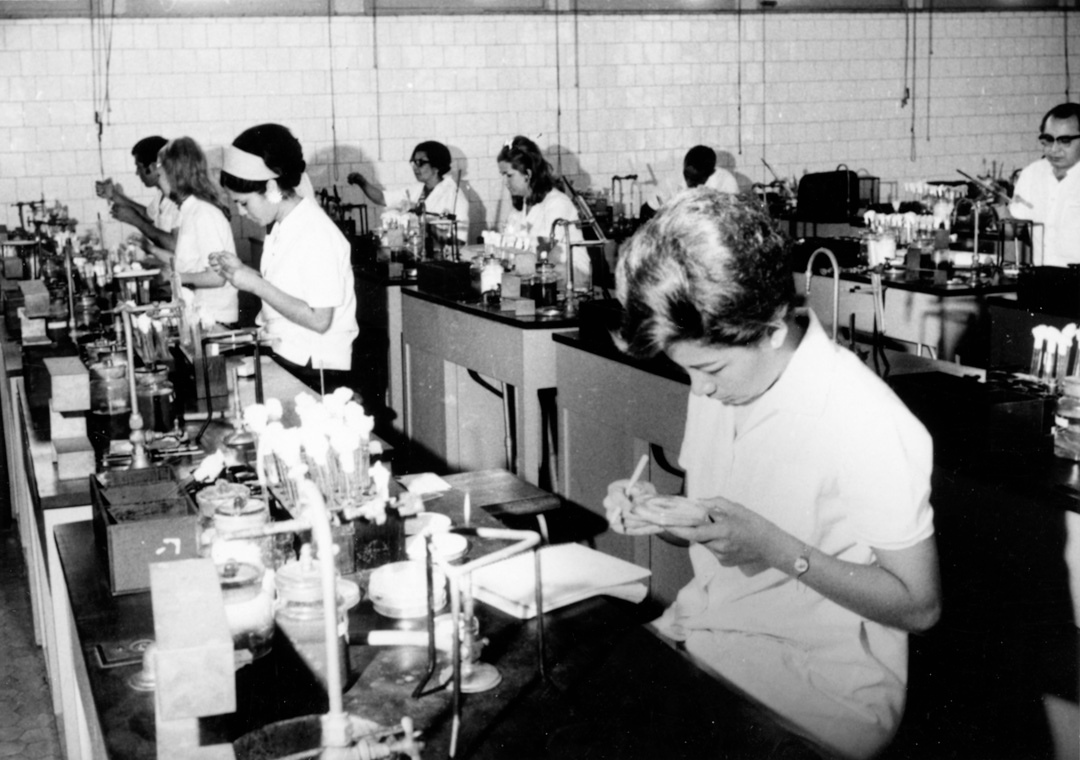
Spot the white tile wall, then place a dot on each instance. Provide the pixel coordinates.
(609, 94)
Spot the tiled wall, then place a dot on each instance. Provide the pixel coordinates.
(608, 94)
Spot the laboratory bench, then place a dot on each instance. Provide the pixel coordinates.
(941, 318)
(608, 688)
(478, 384)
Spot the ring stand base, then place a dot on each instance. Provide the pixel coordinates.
(478, 677)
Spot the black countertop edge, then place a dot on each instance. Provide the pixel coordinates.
(897, 281)
(660, 365)
(536, 322)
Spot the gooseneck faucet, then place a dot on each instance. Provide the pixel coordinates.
(570, 309)
(836, 285)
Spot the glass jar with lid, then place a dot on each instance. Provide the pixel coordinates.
(249, 606)
(300, 615)
(545, 284)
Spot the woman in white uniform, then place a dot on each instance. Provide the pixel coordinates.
(436, 195)
(305, 279)
(807, 485)
(538, 204)
(203, 228)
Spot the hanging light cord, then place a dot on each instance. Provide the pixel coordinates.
(101, 54)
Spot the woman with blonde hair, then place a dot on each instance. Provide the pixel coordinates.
(203, 229)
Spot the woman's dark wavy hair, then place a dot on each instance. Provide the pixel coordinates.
(279, 150)
(525, 156)
(708, 267)
(184, 165)
(437, 153)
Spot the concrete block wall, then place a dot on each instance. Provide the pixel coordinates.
(608, 94)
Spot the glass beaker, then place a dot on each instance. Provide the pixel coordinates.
(156, 398)
(109, 392)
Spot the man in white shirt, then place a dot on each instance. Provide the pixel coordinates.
(699, 169)
(159, 219)
(1048, 191)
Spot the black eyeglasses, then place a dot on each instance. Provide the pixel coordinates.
(1063, 140)
(418, 162)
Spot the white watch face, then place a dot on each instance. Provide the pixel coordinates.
(802, 564)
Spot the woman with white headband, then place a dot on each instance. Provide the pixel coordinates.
(305, 279)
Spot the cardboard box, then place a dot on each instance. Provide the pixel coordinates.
(141, 516)
(74, 457)
(69, 384)
(35, 298)
(66, 424)
(32, 329)
(194, 647)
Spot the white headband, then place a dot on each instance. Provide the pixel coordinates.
(244, 165)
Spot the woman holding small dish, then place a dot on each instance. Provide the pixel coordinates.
(305, 279)
(807, 508)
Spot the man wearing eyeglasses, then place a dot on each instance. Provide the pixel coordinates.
(158, 219)
(1048, 191)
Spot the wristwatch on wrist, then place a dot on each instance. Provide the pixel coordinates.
(802, 562)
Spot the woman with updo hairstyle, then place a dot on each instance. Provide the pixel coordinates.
(202, 229)
(538, 203)
(305, 278)
(805, 504)
(436, 195)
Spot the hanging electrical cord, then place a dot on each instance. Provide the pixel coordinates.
(929, 61)
(375, 65)
(101, 61)
(577, 76)
(1065, 38)
(558, 93)
(907, 51)
(764, 86)
(914, 82)
(333, 97)
(738, 85)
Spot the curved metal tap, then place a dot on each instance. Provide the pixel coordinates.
(836, 285)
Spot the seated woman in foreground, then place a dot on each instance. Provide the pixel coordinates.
(807, 507)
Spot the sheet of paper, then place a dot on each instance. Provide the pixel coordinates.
(423, 483)
(570, 572)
